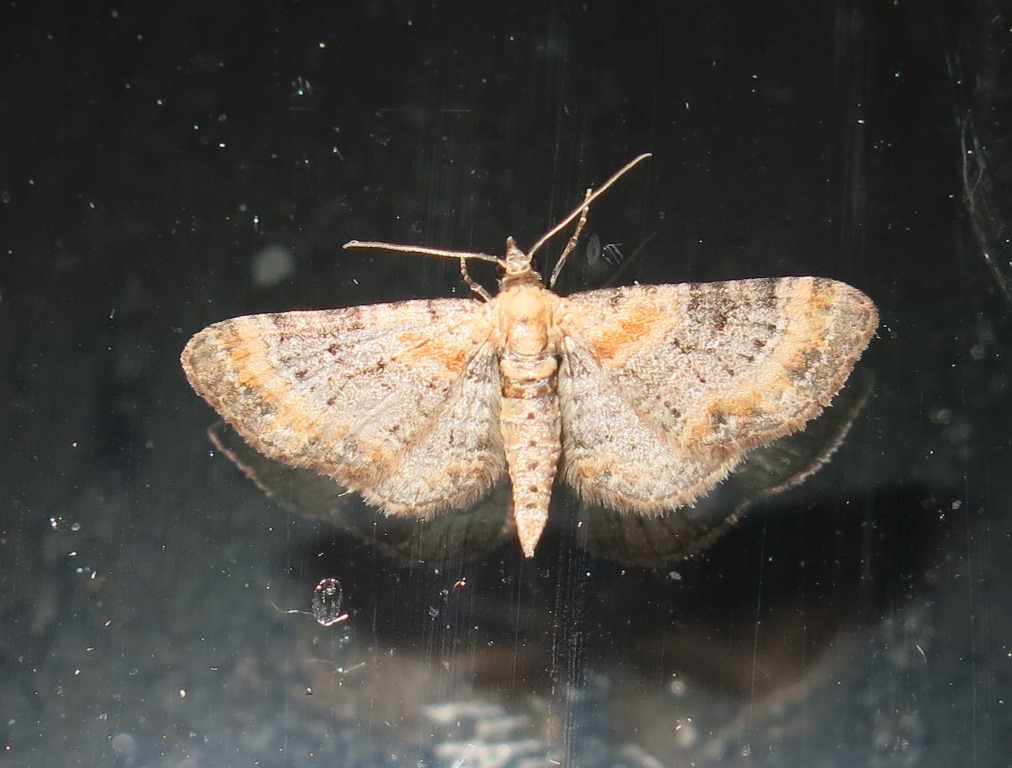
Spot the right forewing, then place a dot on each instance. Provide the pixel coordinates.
(396, 401)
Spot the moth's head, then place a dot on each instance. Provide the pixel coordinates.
(517, 265)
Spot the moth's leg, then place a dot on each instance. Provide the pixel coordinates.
(476, 287)
(572, 240)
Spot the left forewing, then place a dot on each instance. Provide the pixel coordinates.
(663, 388)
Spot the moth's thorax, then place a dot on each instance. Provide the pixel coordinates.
(525, 317)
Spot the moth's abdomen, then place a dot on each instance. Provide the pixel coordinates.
(531, 432)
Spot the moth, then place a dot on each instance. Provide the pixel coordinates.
(640, 398)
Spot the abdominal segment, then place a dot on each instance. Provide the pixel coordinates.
(531, 432)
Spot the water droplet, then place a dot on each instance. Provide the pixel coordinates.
(124, 744)
(272, 265)
(327, 598)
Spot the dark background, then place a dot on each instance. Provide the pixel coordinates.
(154, 156)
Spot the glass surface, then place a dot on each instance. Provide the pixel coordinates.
(166, 166)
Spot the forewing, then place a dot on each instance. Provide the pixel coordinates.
(664, 388)
(396, 401)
